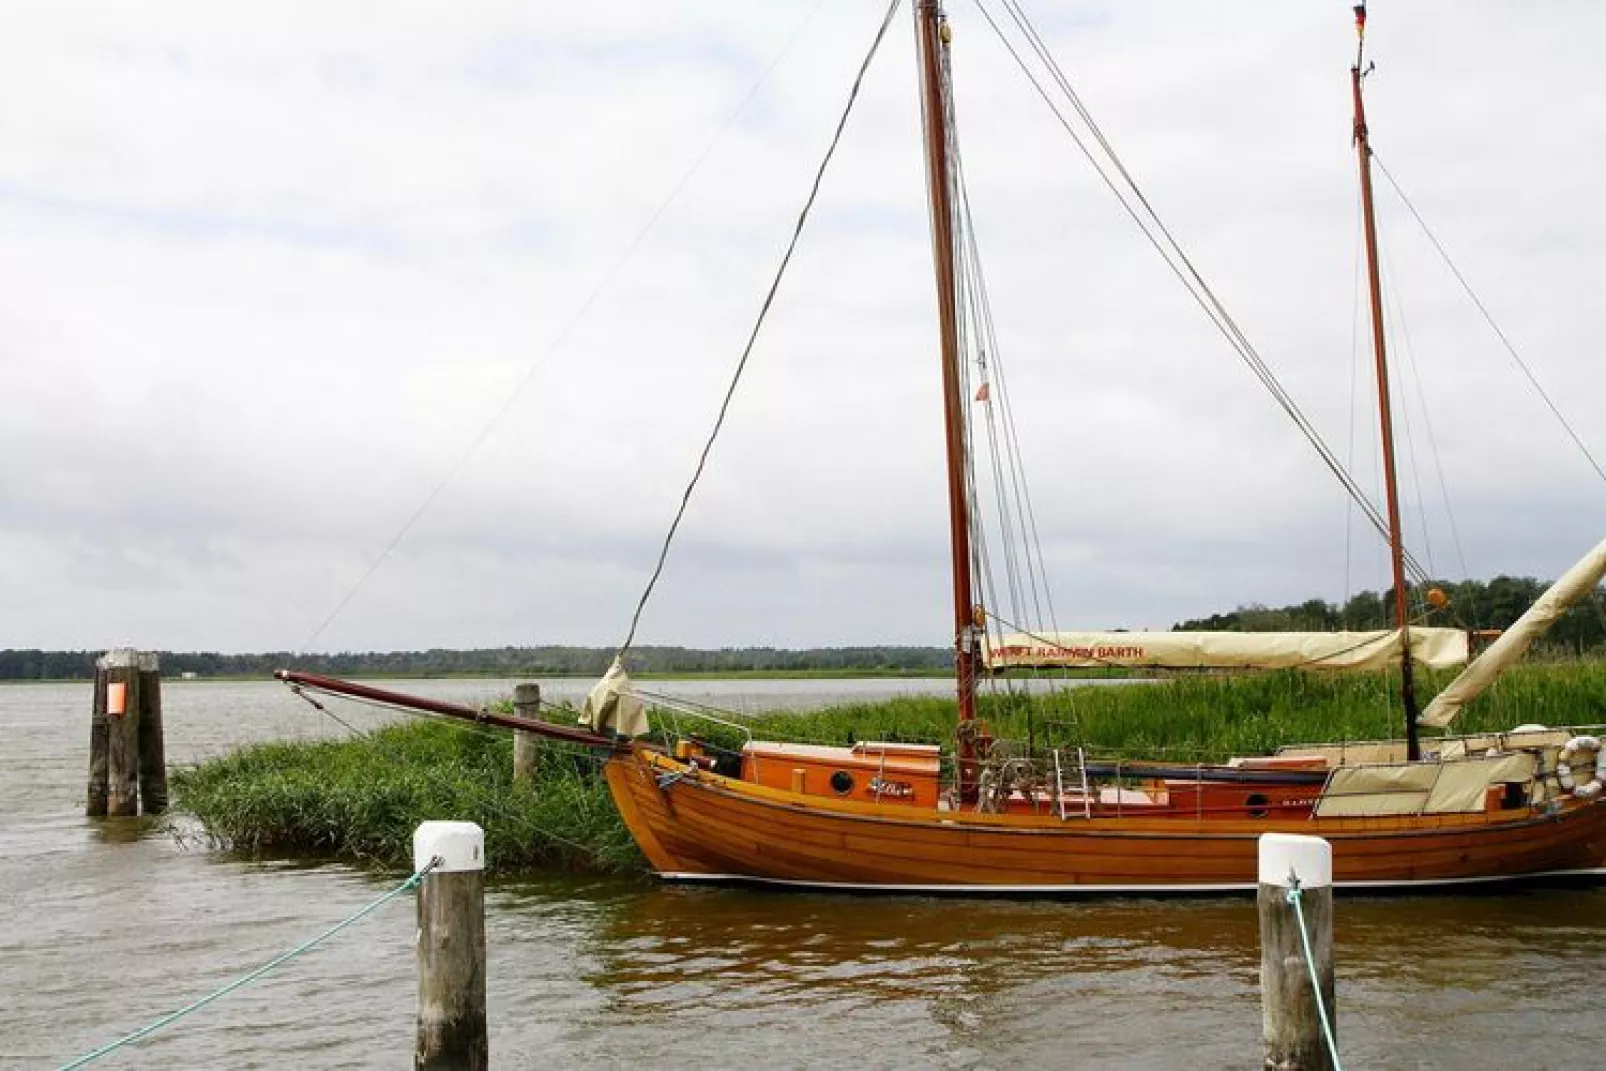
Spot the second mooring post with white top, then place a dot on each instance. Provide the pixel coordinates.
(1294, 1032)
(451, 947)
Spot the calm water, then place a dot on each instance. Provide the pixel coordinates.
(105, 926)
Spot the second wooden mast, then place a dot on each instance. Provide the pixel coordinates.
(1363, 152)
(932, 34)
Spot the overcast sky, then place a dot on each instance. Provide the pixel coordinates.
(268, 272)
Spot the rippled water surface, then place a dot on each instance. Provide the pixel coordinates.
(104, 926)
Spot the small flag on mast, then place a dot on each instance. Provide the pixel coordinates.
(984, 392)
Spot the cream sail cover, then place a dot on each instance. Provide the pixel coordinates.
(613, 707)
(1456, 787)
(1577, 582)
(1436, 647)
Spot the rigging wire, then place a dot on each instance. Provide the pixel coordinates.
(758, 324)
(1488, 317)
(1019, 499)
(1160, 237)
(988, 371)
(1400, 347)
(297, 691)
(973, 337)
(487, 801)
(1025, 571)
(1031, 532)
(562, 336)
(980, 561)
(1204, 296)
(1354, 381)
(1414, 367)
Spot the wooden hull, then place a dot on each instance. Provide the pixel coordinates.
(710, 828)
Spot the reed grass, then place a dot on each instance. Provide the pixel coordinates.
(361, 798)
(1200, 718)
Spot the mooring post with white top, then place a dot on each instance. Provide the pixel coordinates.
(451, 947)
(526, 704)
(1296, 932)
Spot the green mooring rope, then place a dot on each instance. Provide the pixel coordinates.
(1315, 982)
(305, 946)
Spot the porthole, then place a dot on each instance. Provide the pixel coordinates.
(1256, 804)
(842, 782)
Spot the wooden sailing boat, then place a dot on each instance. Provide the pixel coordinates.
(880, 816)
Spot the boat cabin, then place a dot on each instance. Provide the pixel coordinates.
(870, 771)
(1313, 784)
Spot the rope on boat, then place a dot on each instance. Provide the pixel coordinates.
(297, 691)
(1488, 318)
(485, 800)
(758, 325)
(247, 979)
(1294, 897)
(1115, 176)
(562, 337)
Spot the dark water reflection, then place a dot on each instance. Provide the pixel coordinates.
(797, 981)
(104, 926)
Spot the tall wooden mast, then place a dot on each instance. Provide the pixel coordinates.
(1363, 152)
(931, 31)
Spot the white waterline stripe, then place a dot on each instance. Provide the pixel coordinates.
(1597, 873)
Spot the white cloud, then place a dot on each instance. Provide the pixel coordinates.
(264, 279)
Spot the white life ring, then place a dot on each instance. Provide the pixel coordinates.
(1576, 748)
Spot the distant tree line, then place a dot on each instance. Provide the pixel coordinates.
(1473, 604)
(550, 661)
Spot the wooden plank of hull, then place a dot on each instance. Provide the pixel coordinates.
(1045, 860)
(971, 858)
(715, 826)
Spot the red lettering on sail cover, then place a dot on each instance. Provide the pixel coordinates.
(1130, 653)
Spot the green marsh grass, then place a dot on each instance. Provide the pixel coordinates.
(1202, 718)
(361, 798)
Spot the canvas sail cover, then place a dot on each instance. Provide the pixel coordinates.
(1577, 582)
(1456, 787)
(612, 706)
(1436, 647)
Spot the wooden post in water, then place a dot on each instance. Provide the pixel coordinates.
(120, 668)
(451, 947)
(526, 704)
(152, 752)
(1293, 1022)
(127, 764)
(98, 742)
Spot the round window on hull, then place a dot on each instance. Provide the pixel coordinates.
(842, 782)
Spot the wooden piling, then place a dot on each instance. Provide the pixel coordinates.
(451, 947)
(152, 752)
(121, 669)
(526, 704)
(1294, 1039)
(95, 807)
(127, 760)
